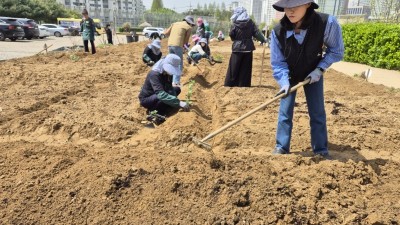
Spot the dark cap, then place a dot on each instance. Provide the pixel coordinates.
(282, 4)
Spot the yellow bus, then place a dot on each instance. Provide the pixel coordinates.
(74, 25)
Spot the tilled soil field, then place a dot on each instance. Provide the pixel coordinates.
(73, 149)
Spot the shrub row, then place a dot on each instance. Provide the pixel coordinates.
(374, 44)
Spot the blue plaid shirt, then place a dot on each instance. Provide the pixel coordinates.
(332, 40)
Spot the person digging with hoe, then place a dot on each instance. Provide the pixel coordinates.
(157, 91)
(297, 55)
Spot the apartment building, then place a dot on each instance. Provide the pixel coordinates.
(110, 11)
(333, 7)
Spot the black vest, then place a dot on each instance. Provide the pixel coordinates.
(303, 58)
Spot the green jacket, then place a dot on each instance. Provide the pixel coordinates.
(160, 85)
(88, 29)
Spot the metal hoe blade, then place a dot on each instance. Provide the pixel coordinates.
(202, 144)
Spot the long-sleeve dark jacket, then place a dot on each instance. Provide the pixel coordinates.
(108, 32)
(161, 85)
(201, 31)
(242, 34)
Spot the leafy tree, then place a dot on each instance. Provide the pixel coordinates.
(211, 8)
(39, 10)
(386, 10)
(223, 7)
(157, 5)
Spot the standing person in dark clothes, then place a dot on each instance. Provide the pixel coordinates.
(241, 61)
(297, 55)
(152, 53)
(157, 92)
(88, 29)
(109, 34)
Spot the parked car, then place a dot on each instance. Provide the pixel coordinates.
(147, 31)
(10, 28)
(43, 32)
(56, 30)
(31, 28)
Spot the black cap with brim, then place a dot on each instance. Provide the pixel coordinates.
(282, 4)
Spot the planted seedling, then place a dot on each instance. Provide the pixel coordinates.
(74, 57)
(104, 45)
(218, 57)
(190, 92)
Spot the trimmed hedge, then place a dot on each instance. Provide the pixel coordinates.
(374, 44)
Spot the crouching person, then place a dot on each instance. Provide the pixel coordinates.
(199, 51)
(152, 53)
(157, 92)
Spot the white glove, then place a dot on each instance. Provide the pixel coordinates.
(315, 75)
(184, 105)
(285, 89)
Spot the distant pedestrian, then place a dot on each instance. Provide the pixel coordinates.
(241, 61)
(109, 34)
(88, 29)
(152, 53)
(179, 34)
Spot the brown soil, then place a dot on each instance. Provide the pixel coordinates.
(73, 149)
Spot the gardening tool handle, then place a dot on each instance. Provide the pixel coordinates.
(262, 63)
(262, 106)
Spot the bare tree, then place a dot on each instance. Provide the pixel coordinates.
(386, 10)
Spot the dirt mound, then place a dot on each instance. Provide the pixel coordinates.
(74, 151)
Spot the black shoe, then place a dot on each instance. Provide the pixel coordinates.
(326, 156)
(156, 119)
(279, 151)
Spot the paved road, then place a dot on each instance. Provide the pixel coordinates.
(22, 48)
(389, 78)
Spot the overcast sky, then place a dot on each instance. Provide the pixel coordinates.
(184, 5)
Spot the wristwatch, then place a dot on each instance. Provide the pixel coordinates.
(322, 70)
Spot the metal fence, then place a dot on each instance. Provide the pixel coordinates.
(165, 20)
